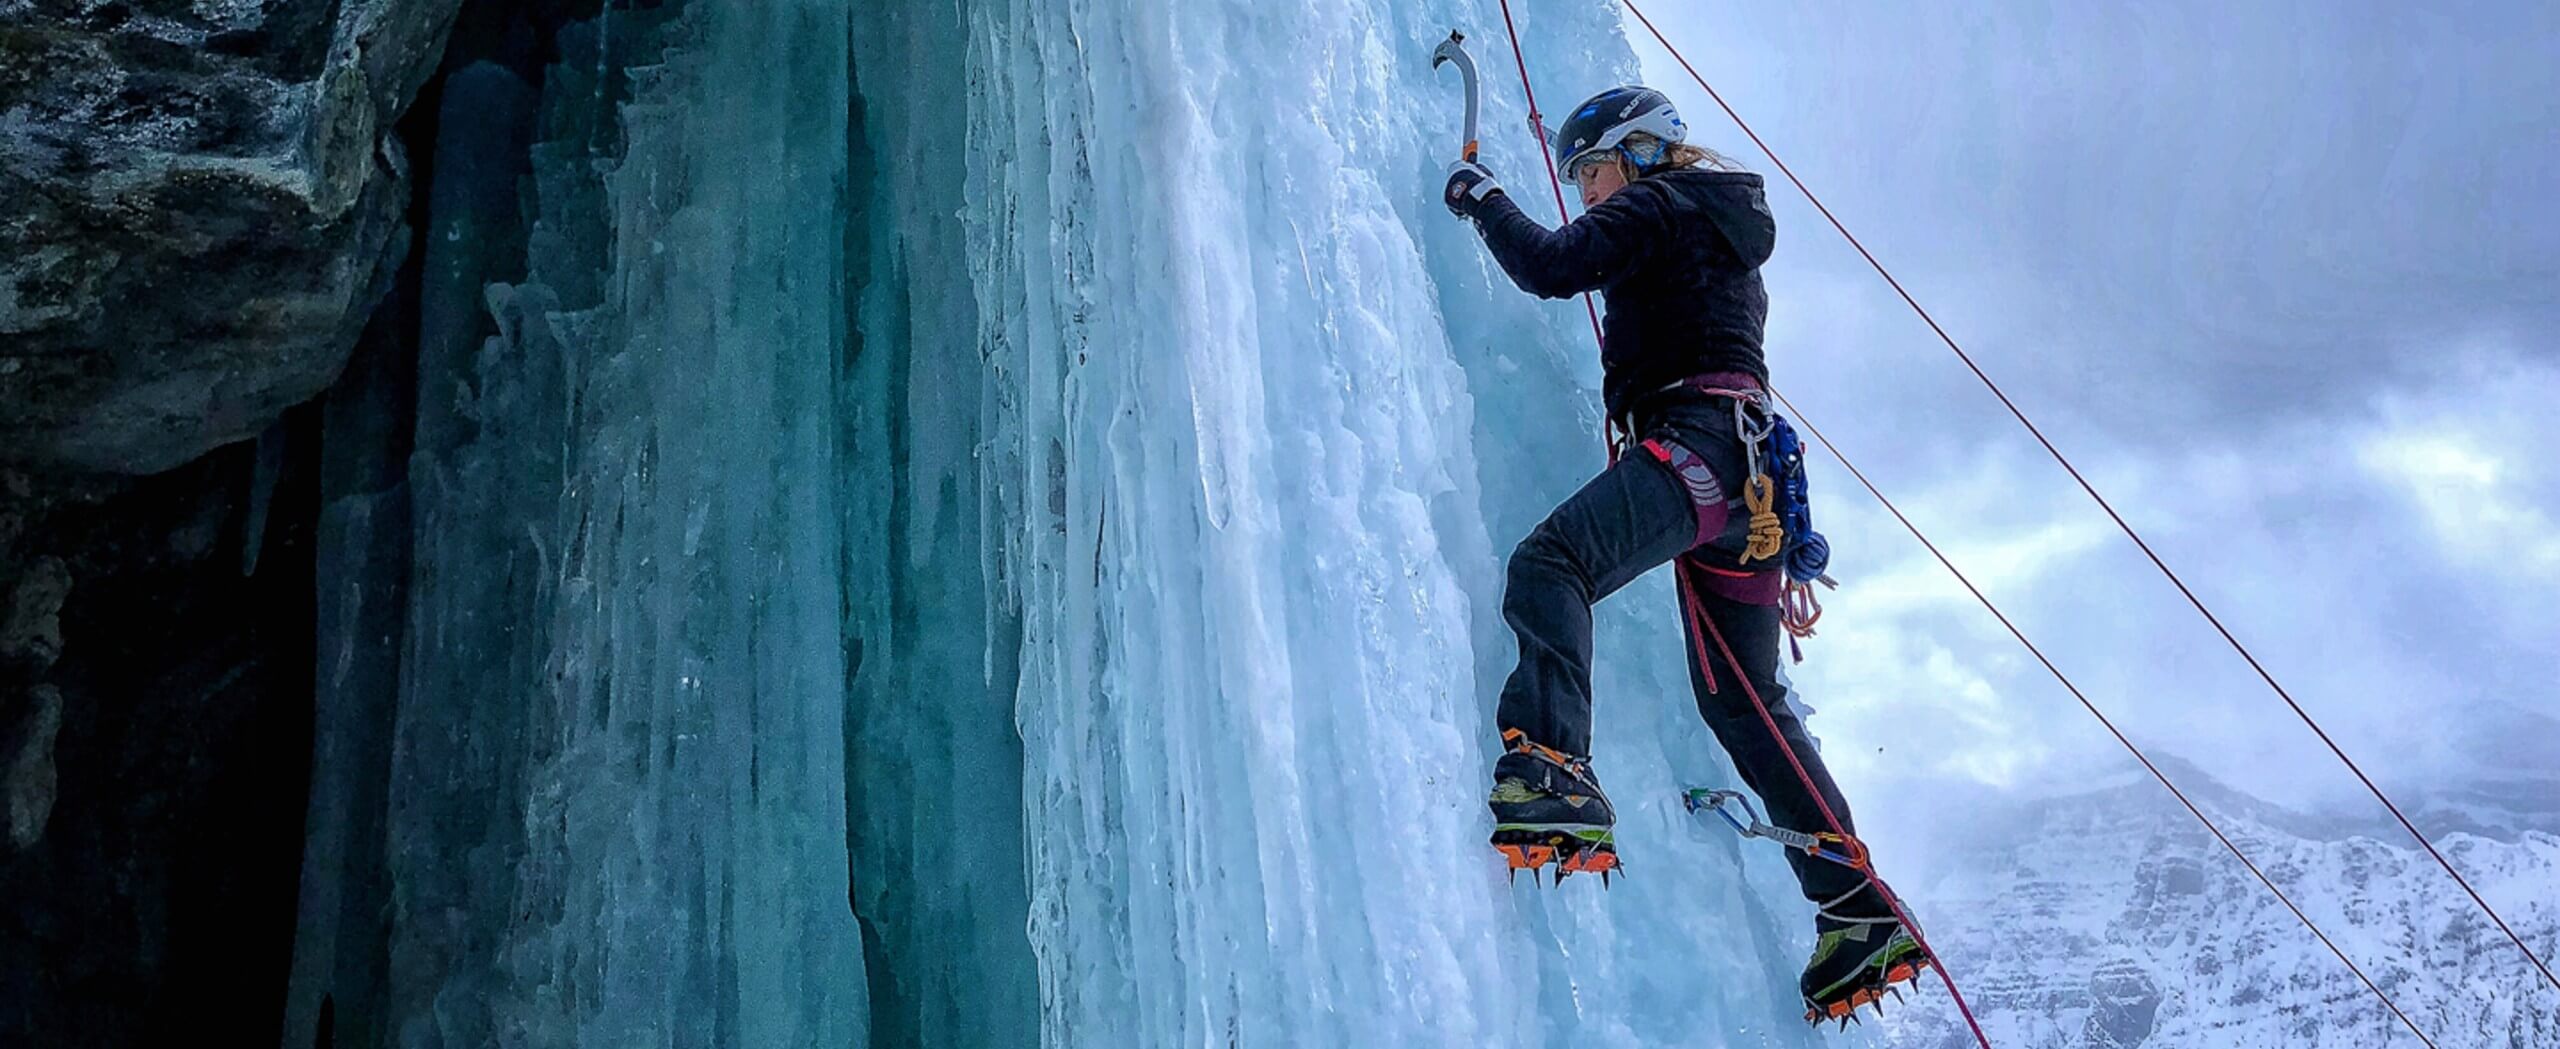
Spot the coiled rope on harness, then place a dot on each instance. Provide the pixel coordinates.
(1691, 605)
(1780, 501)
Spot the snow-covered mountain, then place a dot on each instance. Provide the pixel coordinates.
(2111, 919)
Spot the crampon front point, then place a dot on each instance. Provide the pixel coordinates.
(1572, 851)
(1870, 992)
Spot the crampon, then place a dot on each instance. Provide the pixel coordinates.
(1868, 990)
(1580, 850)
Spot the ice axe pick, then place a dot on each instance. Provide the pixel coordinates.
(1454, 49)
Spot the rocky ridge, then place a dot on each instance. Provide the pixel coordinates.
(2152, 935)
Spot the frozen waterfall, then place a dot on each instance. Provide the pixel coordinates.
(1041, 468)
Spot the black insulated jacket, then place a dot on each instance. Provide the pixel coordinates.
(1676, 259)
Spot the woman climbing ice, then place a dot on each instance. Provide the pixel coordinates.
(1672, 237)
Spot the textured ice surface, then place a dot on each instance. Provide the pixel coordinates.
(616, 778)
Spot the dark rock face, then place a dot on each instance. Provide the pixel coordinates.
(30, 642)
(201, 206)
(155, 720)
(203, 202)
(2124, 1006)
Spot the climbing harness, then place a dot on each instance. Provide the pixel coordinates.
(1706, 496)
(1776, 498)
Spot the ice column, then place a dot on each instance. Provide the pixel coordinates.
(616, 791)
(931, 622)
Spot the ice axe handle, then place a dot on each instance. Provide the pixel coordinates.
(1454, 49)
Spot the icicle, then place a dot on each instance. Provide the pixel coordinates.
(266, 466)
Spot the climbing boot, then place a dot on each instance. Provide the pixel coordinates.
(1548, 808)
(1861, 952)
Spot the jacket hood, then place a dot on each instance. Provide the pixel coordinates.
(1736, 201)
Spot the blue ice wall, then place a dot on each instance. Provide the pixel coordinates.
(615, 797)
(935, 782)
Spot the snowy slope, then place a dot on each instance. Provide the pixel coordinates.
(2150, 933)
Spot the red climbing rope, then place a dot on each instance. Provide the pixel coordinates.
(1689, 603)
(2103, 504)
(1538, 130)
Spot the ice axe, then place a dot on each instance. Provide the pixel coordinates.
(1454, 49)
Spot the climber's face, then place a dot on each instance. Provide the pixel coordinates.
(1598, 176)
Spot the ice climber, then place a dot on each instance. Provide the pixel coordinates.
(1672, 236)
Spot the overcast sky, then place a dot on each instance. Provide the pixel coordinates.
(2280, 278)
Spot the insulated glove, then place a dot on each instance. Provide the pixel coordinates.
(1469, 185)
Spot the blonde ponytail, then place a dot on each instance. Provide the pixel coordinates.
(1680, 155)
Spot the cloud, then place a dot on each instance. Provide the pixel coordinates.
(2475, 468)
(2161, 222)
(2309, 542)
(2465, 491)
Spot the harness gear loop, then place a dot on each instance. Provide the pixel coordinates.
(1706, 497)
(1786, 533)
(1753, 423)
(1799, 608)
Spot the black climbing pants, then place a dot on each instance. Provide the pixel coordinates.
(1634, 516)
